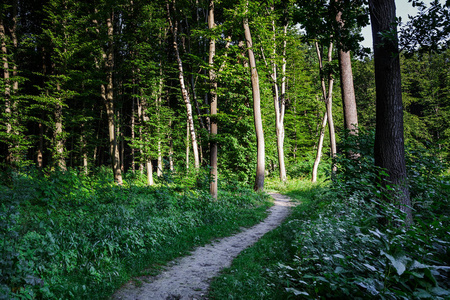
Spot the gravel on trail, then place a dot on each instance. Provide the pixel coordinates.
(188, 277)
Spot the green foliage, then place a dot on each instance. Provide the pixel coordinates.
(334, 246)
(66, 235)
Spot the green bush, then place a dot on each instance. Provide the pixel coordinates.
(66, 235)
(344, 252)
(333, 245)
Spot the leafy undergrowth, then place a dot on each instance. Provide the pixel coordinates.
(65, 235)
(334, 245)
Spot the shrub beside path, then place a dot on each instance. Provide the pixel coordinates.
(189, 277)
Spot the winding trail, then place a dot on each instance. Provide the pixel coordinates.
(189, 277)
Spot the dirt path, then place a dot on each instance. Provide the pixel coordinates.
(188, 277)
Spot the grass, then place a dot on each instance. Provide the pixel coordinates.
(249, 276)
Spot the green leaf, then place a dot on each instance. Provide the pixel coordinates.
(440, 291)
(397, 263)
(296, 292)
(371, 268)
(422, 294)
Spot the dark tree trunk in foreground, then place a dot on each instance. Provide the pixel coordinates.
(389, 141)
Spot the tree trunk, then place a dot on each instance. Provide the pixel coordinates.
(348, 92)
(159, 171)
(279, 105)
(389, 139)
(149, 172)
(184, 91)
(260, 165)
(213, 91)
(148, 159)
(7, 92)
(58, 134)
(141, 152)
(347, 88)
(187, 145)
(329, 103)
(40, 152)
(83, 149)
(327, 98)
(319, 148)
(108, 93)
(133, 128)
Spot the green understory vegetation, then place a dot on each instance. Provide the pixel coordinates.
(347, 240)
(65, 235)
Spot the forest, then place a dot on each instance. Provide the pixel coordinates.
(132, 131)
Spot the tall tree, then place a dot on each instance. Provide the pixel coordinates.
(10, 83)
(173, 25)
(389, 139)
(327, 97)
(279, 96)
(260, 164)
(346, 75)
(213, 92)
(107, 92)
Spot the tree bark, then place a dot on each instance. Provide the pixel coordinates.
(327, 98)
(11, 87)
(319, 148)
(159, 171)
(389, 139)
(213, 91)
(174, 28)
(329, 103)
(348, 92)
(58, 134)
(108, 93)
(141, 152)
(7, 91)
(279, 102)
(260, 164)
(347, 88)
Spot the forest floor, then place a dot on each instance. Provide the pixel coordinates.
(189, 277)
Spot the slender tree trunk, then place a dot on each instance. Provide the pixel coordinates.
(15, 83)
(7, 92)
(327, 98)
(120, 141)
(58, 134)
(187, 145)
(133, 128)
(109, 102)
(159, 172)
(319, 148)
(279, 105)
(141, 153)
(40, 152)
(171, 165)
(184, 91)
(213, 91)
(329, 103)
(149, 172)
(83, 149)
(260, 165)
(148, 158)
(389, 139)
